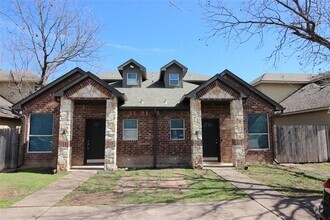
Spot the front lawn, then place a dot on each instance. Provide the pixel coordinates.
(15, 186)
(288, 181)
(153, 186)
(320, 166)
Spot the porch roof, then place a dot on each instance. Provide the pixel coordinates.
(112, 90)
(194, 92)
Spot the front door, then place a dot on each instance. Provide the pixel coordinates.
(211, 148)
(95, 140)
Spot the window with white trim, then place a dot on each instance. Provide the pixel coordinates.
(177, 129)
(258, 131)
(130, 129)
(132, 79)
(174, 79)
(41, 133)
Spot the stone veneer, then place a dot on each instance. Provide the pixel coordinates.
(65, 135)
(196, 133)
(110, 155)
(237, 115)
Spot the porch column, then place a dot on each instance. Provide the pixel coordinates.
(237, 136)
(196, 133)
(65, 135)
(110, 154)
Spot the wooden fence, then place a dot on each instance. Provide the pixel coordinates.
(9, 139)
(302, 144)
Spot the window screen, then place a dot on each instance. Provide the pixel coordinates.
(130, 129)
(41, 133)
(258, 131)
(177, 129)
(132, 79)
(174, 79)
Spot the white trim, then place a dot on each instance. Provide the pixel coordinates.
(33, 135)
(183, 129)
(268, 138)
(169, 79)
(131, 129)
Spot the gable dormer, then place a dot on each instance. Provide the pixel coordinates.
(172, 74)
(133, 73)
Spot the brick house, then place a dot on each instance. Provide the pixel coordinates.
(133, 118)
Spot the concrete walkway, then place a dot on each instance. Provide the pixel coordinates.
(282, 206)
(307, 168)
(41, 201)
(265, 204)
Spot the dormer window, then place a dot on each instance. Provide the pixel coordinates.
(172, 74)
(174, 79)
(133, 74)
(132, 79)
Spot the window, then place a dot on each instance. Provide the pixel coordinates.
(177, 129)
(174, 79)
(258, 131)
(41, 133)
(132, 79)
(130, 129)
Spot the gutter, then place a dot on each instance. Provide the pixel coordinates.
(305, 111)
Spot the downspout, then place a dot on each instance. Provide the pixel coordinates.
(155, 140)
(22, 141)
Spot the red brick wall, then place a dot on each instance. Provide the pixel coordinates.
(44, 103)
(139, 153)
(221, 111)
(256, 105)
(82, 112)
(173, 152)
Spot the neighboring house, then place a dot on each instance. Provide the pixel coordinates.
(138, 119)
(279, 86)
(305, 97)
(7, 118)
(16, 85)
(309, 105)
(303, 127)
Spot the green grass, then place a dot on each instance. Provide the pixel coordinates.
(200, 186)
(321, 166)
(15, 186)
(288, 181)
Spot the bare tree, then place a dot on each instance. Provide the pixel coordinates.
(45, 34)
(301, 25)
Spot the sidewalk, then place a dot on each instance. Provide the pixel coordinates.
(39, 202)
(282, 206)
(224, 210)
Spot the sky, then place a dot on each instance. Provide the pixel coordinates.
(154, 33)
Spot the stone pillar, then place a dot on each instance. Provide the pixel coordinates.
(110, 154)
(196, 133)
(65, 135)
(237, 136)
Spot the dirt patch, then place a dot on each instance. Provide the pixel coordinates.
(11, 193)
(141, 184)
(94, 198)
